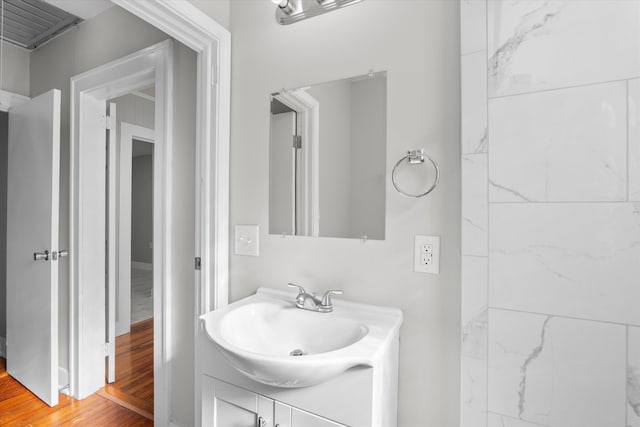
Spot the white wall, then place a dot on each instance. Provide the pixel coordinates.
(142, 207)
(183, 238)
(551, 213)
(218, 10)
(335, 157)
(15, 69)
(15, 78)
(417, 42)
(368, 157)
(108, 36)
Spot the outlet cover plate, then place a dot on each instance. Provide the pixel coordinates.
(246, 240)
(433, 266)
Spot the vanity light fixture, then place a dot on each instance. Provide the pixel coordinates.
(285, 7)
(290, 11)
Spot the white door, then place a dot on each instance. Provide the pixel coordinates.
(32, 245)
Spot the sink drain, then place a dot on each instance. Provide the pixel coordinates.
(297, 352)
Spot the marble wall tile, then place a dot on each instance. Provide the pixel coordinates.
(573, 259)
(474, 306)
(561, 145)
(556, 372)
(474, 205)
(474, 103)
(633, 377)
(473, 26)
(473, 392)
(473, 387)
(544, 44)
(634, 140)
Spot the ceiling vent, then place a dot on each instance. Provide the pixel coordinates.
(29, 23)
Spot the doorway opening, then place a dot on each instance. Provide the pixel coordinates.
(129, 254)
(141, 240)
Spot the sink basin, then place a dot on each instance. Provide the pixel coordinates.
(275, 330)
(268, 339)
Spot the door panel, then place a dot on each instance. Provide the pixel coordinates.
(32, 226)
(90, 247)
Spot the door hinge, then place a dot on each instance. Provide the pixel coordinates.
(110, 122)
(297, 141)
(198, 263)
(107, 352)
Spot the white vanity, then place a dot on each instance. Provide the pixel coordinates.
(267, 363)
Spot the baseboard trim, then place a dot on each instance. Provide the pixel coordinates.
(142, 265)
(3, 347)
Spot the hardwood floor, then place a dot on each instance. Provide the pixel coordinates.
(134, 368)
(128, 402)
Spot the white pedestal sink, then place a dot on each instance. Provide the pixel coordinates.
(268, 339)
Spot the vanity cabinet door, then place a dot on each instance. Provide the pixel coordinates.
(230, 415)
(305, 419)
(225, 405)
(282, 415)
(234, 407)
(286, 416)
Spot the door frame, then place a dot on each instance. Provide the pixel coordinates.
(308, 127)
(10, 99)
(128, 132)
(91, 90)
(212, 43)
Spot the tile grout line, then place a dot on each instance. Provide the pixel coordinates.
(563, 316)
(516, 419)
(566, 202)
(584, 85)
(626, 391)
(488, 143)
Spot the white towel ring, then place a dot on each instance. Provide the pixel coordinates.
(415, 157)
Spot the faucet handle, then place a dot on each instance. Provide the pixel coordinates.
(300, 288)
(326, 298)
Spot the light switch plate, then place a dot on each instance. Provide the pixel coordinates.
(427, 254)
(246, 240)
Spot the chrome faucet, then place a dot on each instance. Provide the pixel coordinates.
(309, 301)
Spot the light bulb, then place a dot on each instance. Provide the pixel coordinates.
(286, 6)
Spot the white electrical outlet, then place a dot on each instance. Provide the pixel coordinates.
(427, 254)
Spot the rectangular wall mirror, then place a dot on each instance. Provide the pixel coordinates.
(328, 159)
